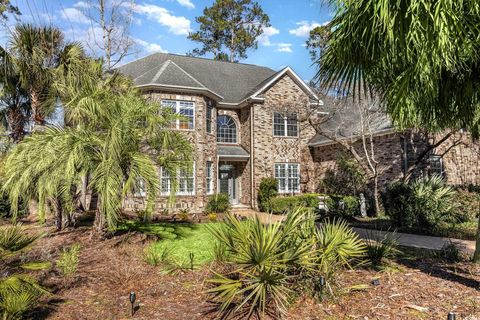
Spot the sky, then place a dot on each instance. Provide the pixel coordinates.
(163, 26)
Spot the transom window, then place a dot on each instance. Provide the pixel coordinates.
(185, 180)
(435, 165)
(285, 124)
(184, 108)
(226, 129)
(288, 177)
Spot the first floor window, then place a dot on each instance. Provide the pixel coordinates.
(184, 108)
(288, 177)
(185, 180)
(435, 165)
(140, 189)
(285, 124)
(209, 175)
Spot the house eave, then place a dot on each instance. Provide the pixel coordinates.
(182, 89)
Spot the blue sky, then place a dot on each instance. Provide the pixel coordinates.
(162, 25)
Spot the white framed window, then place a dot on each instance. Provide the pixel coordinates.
(435, 165)
(209, 115)
(285, 124)
(209, 177)
(288, 177)
(226, 129)
(140, 188)
(185, 179)
(184, 108)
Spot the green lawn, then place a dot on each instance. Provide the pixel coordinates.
(178, 239)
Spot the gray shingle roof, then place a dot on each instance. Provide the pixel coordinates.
(233, 81)
(232, 151)
(344, 122)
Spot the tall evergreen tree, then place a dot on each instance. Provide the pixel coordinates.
(229, 28)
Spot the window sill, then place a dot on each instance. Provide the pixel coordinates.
(287, 137)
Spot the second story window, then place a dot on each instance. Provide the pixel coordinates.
(226, 129)
(184, 108)
(209, 113)
(285, 124)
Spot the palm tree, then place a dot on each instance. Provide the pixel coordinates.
(114, 136)
(421, 56)
(33, 54)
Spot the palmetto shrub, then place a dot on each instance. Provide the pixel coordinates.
(18, 292)
(380, 248)
(264, 261)
(68, 262)
(421, 204)
(218, 203)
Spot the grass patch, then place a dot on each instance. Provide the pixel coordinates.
(180, 240)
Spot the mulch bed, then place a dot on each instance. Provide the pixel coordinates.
(110, 269)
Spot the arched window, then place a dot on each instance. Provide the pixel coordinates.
(226, 129)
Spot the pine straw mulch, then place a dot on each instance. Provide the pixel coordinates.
(110, 269)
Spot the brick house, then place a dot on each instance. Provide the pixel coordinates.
(242, 127)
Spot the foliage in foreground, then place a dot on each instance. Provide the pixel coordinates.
(263, 262)
(18, 292)
(380, 248)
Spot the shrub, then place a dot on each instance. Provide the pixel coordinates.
(212, 217)
(380, 248)
(281, 205)
(343, 206)
(345, 179)
(268, 190)
(422, 204)
(154, 255)
(68, 262)
(218, 203)
(467, 206)
(264, 261)
(19, 293)
(184, 214)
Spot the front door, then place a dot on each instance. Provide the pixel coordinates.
(227, 181)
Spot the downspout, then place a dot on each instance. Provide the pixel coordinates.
(252, 192)
(405, 155)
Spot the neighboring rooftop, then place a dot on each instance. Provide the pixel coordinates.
(343, 122)
(232, 82)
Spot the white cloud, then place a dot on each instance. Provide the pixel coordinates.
(176, 24)
(149, 46)
(81, 4)
(304, 27)
(284, 47)
(186, 3)
(73, 15)
(264, 38)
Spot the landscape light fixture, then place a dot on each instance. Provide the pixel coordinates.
(451, 316)
(322, 284)
(133, 297)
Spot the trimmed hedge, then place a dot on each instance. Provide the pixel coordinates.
(218, 203)
(281, 205)
(344, 206)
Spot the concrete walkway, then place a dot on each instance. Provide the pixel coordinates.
(404, 239)
(419, 241)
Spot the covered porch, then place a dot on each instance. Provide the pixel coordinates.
(233, 174)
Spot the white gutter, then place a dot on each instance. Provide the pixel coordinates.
(252, 167)
(377, 134)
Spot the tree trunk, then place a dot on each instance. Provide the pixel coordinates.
(376, 195)
(36, 105)
(100, 224)
(58, 210)
(476, 255)
(16, 119)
